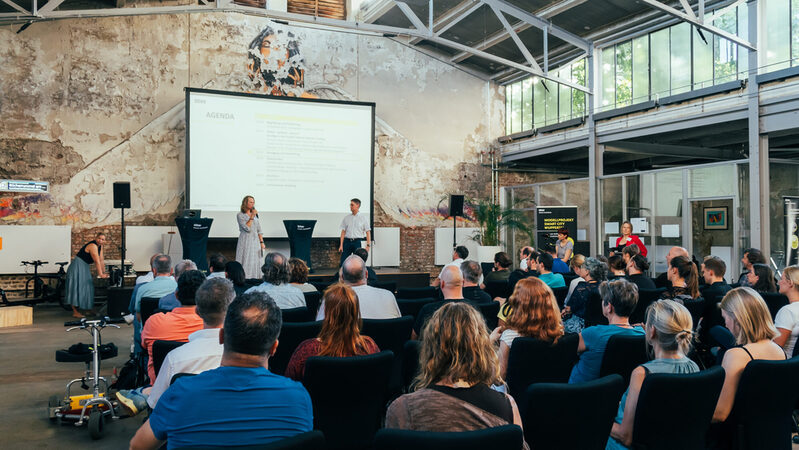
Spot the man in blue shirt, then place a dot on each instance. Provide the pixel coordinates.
(240, 403)
(163, 283)
(276, 283)
(553, 280)
(619, 298)
(558, 266)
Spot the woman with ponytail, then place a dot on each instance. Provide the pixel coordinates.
(668, 330)
(684, 280)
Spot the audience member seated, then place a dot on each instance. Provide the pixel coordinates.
(545, 268)
(452, 291)
(787, 319)
(239, 403)
(668, 330)
(617, 267)
(558, 266)
(364, 254)
(629, 251)
(169, 301)
(576, 263)
(458, 366)
(535, 314)
(340, 335)
(177, 324)
(684, 282)
(751, 256)
(593, 272)
(619, 298)
(662, 280)
(520, 274)
(276, 283)
(636, 272)
(373, 303)
(149, 276)
(524, 255)
(501, 270)
(458, 256)
(565, 245)
(234, 272)
(216, 266)
(761, 278)
(298, 275)
(747, 317)
(472, 272)
(713, 270)
(163, 283)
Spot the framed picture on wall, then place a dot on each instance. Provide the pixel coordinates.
(716, 218)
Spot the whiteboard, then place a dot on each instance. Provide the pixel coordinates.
(51, 243)
(386, 251)
(141, 242)
(462, 237)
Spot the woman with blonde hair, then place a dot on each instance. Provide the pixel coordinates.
(787, 319)
(250, 246)
(458, 366)
(668, 330)
(747, 317)
(535, 314)
(340, 335)
(575, 265)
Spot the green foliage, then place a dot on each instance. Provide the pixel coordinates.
(491, 217)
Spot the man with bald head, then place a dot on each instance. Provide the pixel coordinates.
(662, 280)
(375, 303)
(452, 291)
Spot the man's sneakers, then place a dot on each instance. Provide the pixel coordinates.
(133, 401)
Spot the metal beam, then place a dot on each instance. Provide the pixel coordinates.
(687, 18)
(455, 20)
(451, 17)
(378, 9)
(539, 22)
(17, 7)
(519, 43)
(645, 148)
(721, 11)
(50, 6)
(412, 16)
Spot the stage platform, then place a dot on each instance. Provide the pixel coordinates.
(385, 275)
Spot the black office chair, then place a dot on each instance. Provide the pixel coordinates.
(391, 334)
(294, 315)
(349, 397)
(507, 437)
(291, 335)
(390, 286)
(410, 363)
(147, 308)
(696, 307)
(593, 311)
(645, 298)
(420, 292)
(571, 416)
(312, 301)
(674, 410)
(560, 295)
(489, 312)
(321, 285)
(411, 307)
(160, 350)
(311, 440)
(497, 288)
(533, 361)
(569, 277)
(622, 355)
(774, 301)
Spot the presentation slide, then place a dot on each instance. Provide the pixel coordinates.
(300, 159)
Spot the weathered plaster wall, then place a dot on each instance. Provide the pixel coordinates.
(87, 102)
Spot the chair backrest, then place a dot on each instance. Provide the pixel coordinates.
(291, 335)
(774, 301)
(569, 277)
(571, 416)
(767, 394)
(497, 288)
(593, 311)
(489, 312)
(622, 355)
(321, 285)
(411, 307)
(410, 363)
(160, 350)
(670, 402)
(420, 292)
(310, 440)
(312, 300)
(560, 295)
(300, 314)
(253, 281)
(348, 396)
(645, 298)
(696, 307)
(506, 437)
(147, 308)
(389, 334)
(390, 286)
(534, 361)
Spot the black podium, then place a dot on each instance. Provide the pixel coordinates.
(300, 232)
(194, 236)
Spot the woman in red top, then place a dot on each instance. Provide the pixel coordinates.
(627, 238)
(340, 335)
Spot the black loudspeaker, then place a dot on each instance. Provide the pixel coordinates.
(121, 194)
(455, 205)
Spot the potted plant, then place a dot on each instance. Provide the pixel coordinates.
(491, 218)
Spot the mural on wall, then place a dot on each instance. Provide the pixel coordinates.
(116, 121)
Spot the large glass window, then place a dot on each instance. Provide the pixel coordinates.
(608, 78)
(661, 65)
(578, 97)
(539, 103)
(516, 107)
(703, 59)
(527, 104)
(778, 37)
(552, 102)
(565, 96)
(680, 58)
(725, 53)
(640, 69)
(624, 74)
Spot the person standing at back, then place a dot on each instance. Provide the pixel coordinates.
(354, 229)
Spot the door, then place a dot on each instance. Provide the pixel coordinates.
(713, 231)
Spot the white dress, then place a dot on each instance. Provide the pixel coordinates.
(248, 248)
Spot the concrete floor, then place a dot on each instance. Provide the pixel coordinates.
(29, 375)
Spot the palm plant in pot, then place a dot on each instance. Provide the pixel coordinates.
(491, 218)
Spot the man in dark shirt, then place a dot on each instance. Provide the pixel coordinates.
(520, 274)
(501, 270)
(713, 270)
(471, 272)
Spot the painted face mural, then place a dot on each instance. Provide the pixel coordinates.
(275, 65)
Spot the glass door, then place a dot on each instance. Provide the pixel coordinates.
(713, 231)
